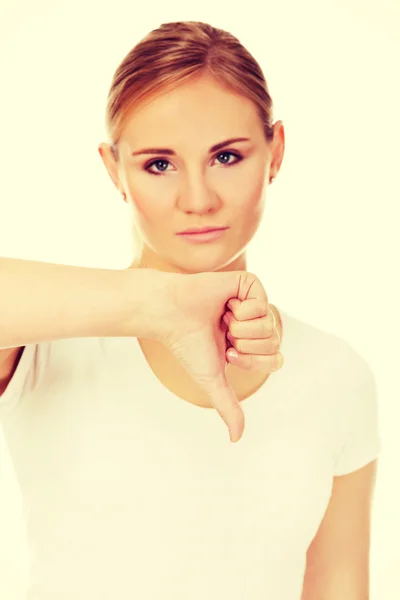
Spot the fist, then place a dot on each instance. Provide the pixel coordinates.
(253, 336)
(188, 314)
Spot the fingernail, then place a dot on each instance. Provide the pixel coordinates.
(233, 355)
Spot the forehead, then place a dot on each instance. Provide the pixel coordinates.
(201, 107)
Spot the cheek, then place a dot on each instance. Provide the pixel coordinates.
(248, 206)
(244, 189)
(152, 202)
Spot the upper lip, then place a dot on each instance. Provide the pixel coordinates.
(201, 229)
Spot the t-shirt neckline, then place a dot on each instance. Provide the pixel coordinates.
(189, 407)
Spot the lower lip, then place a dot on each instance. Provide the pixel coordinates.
(200, 238)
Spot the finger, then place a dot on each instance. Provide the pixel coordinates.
(251, 308)
(203, 355)
(260, 328)
(227, 405)
(262, 346)
(255, 362)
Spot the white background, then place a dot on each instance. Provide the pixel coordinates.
(329, 242)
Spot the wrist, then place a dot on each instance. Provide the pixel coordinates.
(143, 292)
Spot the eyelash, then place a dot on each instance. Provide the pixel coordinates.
(238, 157)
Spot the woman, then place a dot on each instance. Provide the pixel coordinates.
(130, 489)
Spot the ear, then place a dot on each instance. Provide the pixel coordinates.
(277, 148)
(111, 164)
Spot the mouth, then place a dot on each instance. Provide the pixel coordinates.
(203, 234)
(198, 230)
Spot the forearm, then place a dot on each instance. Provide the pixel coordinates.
(44, 301)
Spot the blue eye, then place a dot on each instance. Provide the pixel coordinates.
(225, 160)
(161, 165)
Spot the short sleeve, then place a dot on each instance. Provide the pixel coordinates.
(19, 380)
(361, 442)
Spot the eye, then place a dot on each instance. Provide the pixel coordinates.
(161, 165)
(224, 158)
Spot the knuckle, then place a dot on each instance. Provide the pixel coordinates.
(268, 329)
(276, 343)
(270, 348)
(274, 364)
(264, 306)
(278, 361)
(272, 318)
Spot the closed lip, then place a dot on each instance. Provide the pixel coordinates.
(201, 230)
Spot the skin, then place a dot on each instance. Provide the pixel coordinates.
(196, 188)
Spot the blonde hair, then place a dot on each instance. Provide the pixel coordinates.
(171, 55)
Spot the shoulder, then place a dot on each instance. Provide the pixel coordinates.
(328, 364)
(317, 346)
(328, 344)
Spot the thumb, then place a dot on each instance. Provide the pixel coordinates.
(227, 405)
(201, 352)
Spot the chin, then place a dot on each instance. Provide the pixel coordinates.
(194, 259)
(206, 264)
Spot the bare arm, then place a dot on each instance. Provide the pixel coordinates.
(44, 302)
(338, 558)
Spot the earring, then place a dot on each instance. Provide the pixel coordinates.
(272, 179)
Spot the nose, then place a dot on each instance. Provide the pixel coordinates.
(195, 195)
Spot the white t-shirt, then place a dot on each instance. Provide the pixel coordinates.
(132, 493)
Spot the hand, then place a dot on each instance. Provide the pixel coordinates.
(253, 338)
(185, 313)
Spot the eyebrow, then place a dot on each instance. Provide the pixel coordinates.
(172, 153)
